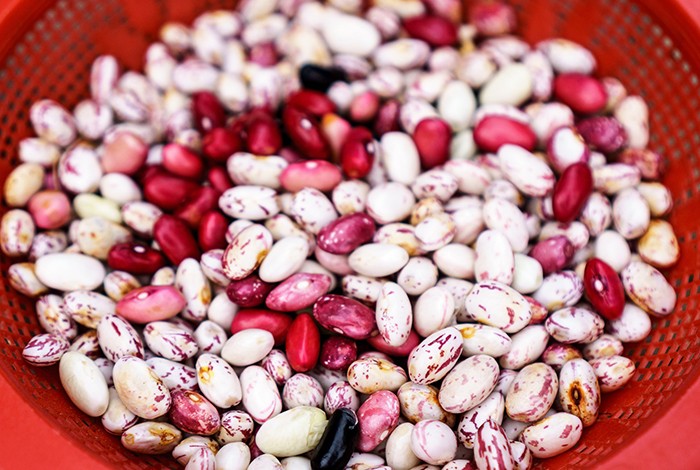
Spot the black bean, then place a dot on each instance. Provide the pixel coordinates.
(315, 77)
(338, 441)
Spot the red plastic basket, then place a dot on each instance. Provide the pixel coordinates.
(653, 46)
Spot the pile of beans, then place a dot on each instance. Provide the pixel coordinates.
(310, 236)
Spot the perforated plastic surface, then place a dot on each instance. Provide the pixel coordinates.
(46, 50)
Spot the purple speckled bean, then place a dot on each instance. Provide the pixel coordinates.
(302, 390)
(246, 251)
(435, 356)
(557, 354)
(277, 365)
(53, 318)
(170, 341)
(613, 372)
(393, 314)
(498, 305)
(420, 402)
(482, 339)
(345, 316)
(433, 442)
(492, 407)
(377, 416)
(174, 375)
(261, 398)
(558, 290)
(553, 435)
(140, 389)
(345, 234)
(340, 395)
(45, 349)
(193, 413)
(605, 345)
(526, 346)
(533, 392)
(236, 426)
(370, 374)
(579, 393)
(574, 325)
(117, 338)
(469, 383)
(491, 447)
(297, 292)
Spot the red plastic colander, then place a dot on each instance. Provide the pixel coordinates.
(653, 46)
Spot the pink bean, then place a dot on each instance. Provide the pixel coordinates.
(554, 254)
(151, 303)
(343, 235)
(318, 174)
(50, 209)
(378, 416)
(297, 292)
(345, 316)
(124, 152)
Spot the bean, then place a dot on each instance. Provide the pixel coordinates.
(233, 456)
(261, 398)
(337, 442)
(579, 393)
(236, 426)
(557, 354)
(613, 372)
(340, 395)
(468, 383)
(377, 416)
(188, 448)
(491, 447)
(84, 383)
(218, 381)
(526, 346)
(491, 408)
(434, 442)
(553, 435)
(292, 432)
(303, 343)
(247, 347)
(141, 391)
(647, 288)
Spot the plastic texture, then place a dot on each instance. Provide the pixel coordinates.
(653, 46)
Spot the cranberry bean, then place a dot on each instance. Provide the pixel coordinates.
(193, 413)
(648, 288)
(613, 372)
(298, 291)
(135, 258)
(151, 303)
(604, 134)
(338, 352)
(557, 354)
(175, 239)
(552, 435)
(491, 447)
(345, 316)
(347, 233)
(604, 289)
(248, 292)
(275, 322)
(492, 18)
(652, 165)
(318, 174)
(493, 131)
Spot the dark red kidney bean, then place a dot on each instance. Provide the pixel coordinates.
(338, 441)
(219, 179)
(175, 239)
(212, 231)
(202, 200)
(387, 118)
(434, 30)
(651, 164)
(276, 323)
(220, 143)
(263, 135)
(135, 258)
(604, 288)
(305, 133)
(378, 343)
(315, 77)
(181, 161)
(208, 112)
(493, 131)
(582, 93)
(343, 235)
(554, 254)
(248, 292)
(264, 54)
(357, 153)
(166, 190)
(303, 343)
(345, 316)
(312, 102)
(571, 192)
(432, 137)
(338, 352)
(603, 133)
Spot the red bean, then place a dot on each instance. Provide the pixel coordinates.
(202, 200)
(249, 292)
(572, 191)
(276, 323)
(212, 231)
(554, 254)
(378, 343)
(432, 137)
(434, 30)
(318, 174)
(264, 137)
(603, 133)
(652, 165)
(493, 131)
(604, 289)
(219, 179)
(264, 54)
(312, 102)
(303, 343)
(357, 153)
(298, 291)
(181, 161)
(387, 118)
(167, 191)
(345, 316)
(305, 133)
(207, 111)
(582, 93)
(338, 352)
(175, 239)
(135, 258)
(343, 235)
(220, 143)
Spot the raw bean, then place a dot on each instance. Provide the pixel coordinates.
(417, 276)
(222, 311)
(70, 271)
(140, 389)
(316, 174)
(117, 338)
(603, 288)
(303, 343)
(50, 209)
(249, 169)
(468, 383)
(553, 254)
(659, 246)
(574, 325)
(364, 461)
(119, 188)
(566, 147)
(362, 287)
(233, 456)
(455, 260)
(505, 217)
(275, 322)
(141, 217)
(91, 205)
(652, 165)
(86, 344)
(457, 105)
(346, 34)
(576, 232)
(211, 264)
(132, 257)
(371, 375)
(432, 137)
(615, 177)
(249, 202)
(579, 393)
(170, 341)
(613, 372)
(16, 233)
(492, 408)
(482, 339)
(236, 426)
(261, 398)
(185, 451)
(459, 289)
(297, 292)
(52, 122)
(633, 325)
(151, 303)
(340, 395)
(567, 56)
(512, 85)
(633, 114)
(582, 93)
(344, 316)
(302, 390)
(402, 235)
(531, 175)
(378, 343)
(117, 418)
(378, 259)
(265, 462)
(400, 157)
(247, 347)
(603, 133)
(389, 202)
(246, 252)
(393, 314)
(377, 416)
(276, 364)
(527, 274)
(445, 344)
(45, 349)
(498, 305)
(433, 311)
(557, 354)
(527, 345)
(344, 235)
(647, 288)
(218, 381)
(151, 437)
(596, 214)
(284, 258)
(350, 197)
(631, 214)
(337, 442)
(53, 318)
(193, 413)
(123, 152)
(495, 131)
(174, 375)
(22, 183)
(553, 435)
(44, 243)
(532, 394)
(79, 169)
(571, 192)
(175, 239)
(420, 402)
(312, 210)
(522, 457)
(293, 432)
(471, 178)
(96, 236)
(657, 196)
(433, 442)
(494, 258)
(84, 383)
(38, 151)
(337, 264)
(402, 54)
(491, 447)
(559, 290)
(23, 278)
(606, 345)
(338, 352)
(399, 454)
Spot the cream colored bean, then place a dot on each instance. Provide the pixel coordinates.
(402, 54)
(613, 372)
(435, 183)
(526, 346)
(284, 259)
(371, 374)
(16, 233)
(596, 214)
(659, 245)
(615, 177)
(492, 408)
(491, 447)
(52, 122)
(91, 205)
(494, 258)
(378, 259)
(455, 260)
(399, 455)
(433, 311)
(496, 304)
(648, 288)
(631, 214)
(362, 288)
(140, 217)
(261, 398)
(658, 197)
(574, 325)
(140, 389)
(530, 174)
(249, 202)
(471, 178)
(505, 217)
(346, 34)
(612, 248)
(605, 345)
(22, 183)
(435, 232)
(84, 383)
(567, 56)
(400, 157)
(634, 324)
(512, 85)
(482, 339)
(394, 314)
(417, 276)
(246, 252)
(247, 347)
(350, 196)
(312, 210)
(233, 456)
(399, 234)
(468, 383)
(151, 437)
(218, 381)
(433, 358)
(194, 285)
(558, 290)
(527, 274)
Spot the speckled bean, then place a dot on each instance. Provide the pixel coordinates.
(340, 395)
(246, 251)
(491, 447)
(468, 383)
(553, 435)
(613, 372)
(140, 389)
(151, 437)
(574, 325)
(236, 426)
(482, 339)
(648, 288)
(498, 305)
(84, 383)
(370, 375)
(492, 407)
(532, 394)
(302, 390)
(261, 398)
(445, 344)
(558, 290)
(174, 375)
(527, 345)
(378, 416)
(420, 402)
(579, 393)
(117, 338)
(433, 442)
